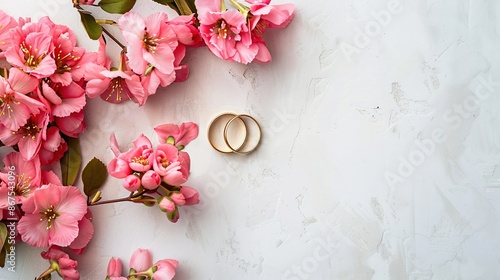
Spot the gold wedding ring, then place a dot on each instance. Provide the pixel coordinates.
(234, 133)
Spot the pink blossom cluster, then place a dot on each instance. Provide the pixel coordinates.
(155, 47)
(42, 91)
(47, 214)
(158, 172)
(236, 34)
(142, 266)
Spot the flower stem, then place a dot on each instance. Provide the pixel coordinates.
(113, 38)
(131, 198)
(241, 8)
(46, 273)
(111, 201)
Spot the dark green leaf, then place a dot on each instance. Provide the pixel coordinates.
(94, 30)
(117, 6)
(71, 162)
(93, 176)
(3, 254)
(3, 234)
(183, 7)
(164, 2)
(191, 5)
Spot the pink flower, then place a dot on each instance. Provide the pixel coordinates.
(140, 159)
(191, 195)
(185, 29)
(178, 198)
(167, 205)
(119, 168)
(182, 134)
(114, 267)
(173, 169)
(6, 23)
(70, 60)
(226, 34)
(276, 16)
(143, 142)
(117, 86)
(150, 180)
(63, 264)
(52, 214)
(27, 177)
(28, 137)
(141, 260)
(267, 16)
(62, 100)
(15, 106)
(151, 41)
(31, 48)
(166, 269)
(53, 148)
(156, 78)
(131, 183)
(72, 125)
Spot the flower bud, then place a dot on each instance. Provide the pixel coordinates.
(141, 260)
(86, 2)
(166, 269)
(131, 183)
(167, 205)
(190, 195)
(178, 198)
(151, 180)
(115, 267)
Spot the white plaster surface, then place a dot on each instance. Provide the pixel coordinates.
(380, 156)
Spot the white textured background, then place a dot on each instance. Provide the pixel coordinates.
(340, 113)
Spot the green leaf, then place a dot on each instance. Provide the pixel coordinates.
(93, 176)
(3, 247)
(94, 30)
(117, 6)
(3, 255)
(3, 234)
(71, 162)
(164, 2)
(183, 7)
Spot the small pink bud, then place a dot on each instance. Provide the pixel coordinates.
(151, 180)
(167, 205)
(115, 267)
(191, 195)
(141, 260)
(178, 198)
(166, 269)
(131, 183)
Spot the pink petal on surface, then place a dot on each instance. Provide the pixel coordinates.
(114, 145)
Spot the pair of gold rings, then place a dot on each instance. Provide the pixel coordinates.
(234, 133)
